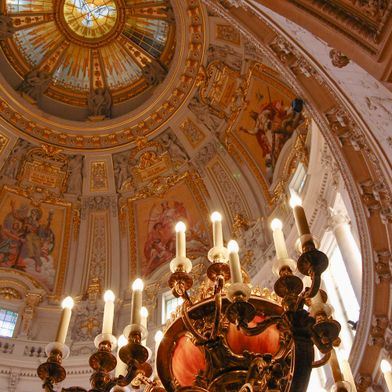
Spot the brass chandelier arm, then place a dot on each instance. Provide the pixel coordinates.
(218, 306)
(47, 386)
(188, 324)
(311, 291)
(322, 361)
(260, 327)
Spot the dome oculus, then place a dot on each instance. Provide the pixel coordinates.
(90, 19)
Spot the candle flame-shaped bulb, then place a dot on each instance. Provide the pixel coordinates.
(138, 285)
(386, 366)
(109, 296)
(122, 341)
(295, 200)
(68, 303)
(144, 312)
(216, 217)
(180, 227)
(158, 337)
(276, 224)
(232, 246)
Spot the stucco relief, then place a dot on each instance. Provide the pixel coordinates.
(231, 195)
(98, 247)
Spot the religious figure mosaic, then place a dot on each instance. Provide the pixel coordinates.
(31, 237)
(156, 218)
(272, 115)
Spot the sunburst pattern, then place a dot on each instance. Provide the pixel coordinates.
(97, 43)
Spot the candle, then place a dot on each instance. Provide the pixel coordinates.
(180, 239)
(158, 338)
(234, 261)
(217, 234)
(144, 318)
(300, 219)
(387, 372)
(108, 313)
(62, 330)
(137, 288)
(280, 244)
(121, 367)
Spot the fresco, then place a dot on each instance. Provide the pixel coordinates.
(271, 116)
(156, 219)
(31, 237)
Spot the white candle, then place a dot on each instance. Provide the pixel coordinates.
(121, 367)
(137, 288)
(144, 316)
(180, 239)
(217, 234)
(300, 218)
(158, 338)
(234, 261)
(108, 313)
(62, 330)
(386, 369)
(144, 319)
(279, 241)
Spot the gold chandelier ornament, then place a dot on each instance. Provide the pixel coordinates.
(227, 336)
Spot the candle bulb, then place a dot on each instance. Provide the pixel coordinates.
(62, 330)
(386, 369)
(137, 289)
(279, 241)
(180, 239)
(121, 367)
(217, 234)
(158, 338)
(108, 313)
(234, 261)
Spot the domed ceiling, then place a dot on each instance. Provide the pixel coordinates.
(94, 55)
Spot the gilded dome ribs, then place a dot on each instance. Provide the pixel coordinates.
(21, 22)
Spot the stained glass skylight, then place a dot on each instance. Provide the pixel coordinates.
(90, 18)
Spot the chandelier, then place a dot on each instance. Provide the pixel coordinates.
(227, 336)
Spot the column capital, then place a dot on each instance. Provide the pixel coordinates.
(336, 218)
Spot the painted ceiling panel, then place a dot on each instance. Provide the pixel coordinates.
(73, 71)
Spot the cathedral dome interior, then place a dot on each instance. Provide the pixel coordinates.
(120, 118)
